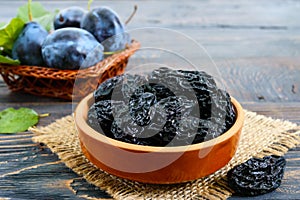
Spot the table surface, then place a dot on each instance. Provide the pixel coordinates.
(255, 44)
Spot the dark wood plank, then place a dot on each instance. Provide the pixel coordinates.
(262, 80)
(30, 167)
(221, 14)
(225, 28)
(253, 48)
(31, 170)
(284, 111)
(246, 79)
(255, 45)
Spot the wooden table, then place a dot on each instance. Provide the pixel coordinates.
(255, 44)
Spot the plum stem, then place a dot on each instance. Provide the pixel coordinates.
(89, 5)
(29, 10)
(132, 15)
(111, 52)
(44, 115)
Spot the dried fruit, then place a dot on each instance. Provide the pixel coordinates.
(167, 107)
(257, 175)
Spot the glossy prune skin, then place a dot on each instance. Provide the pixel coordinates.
(106, 26)
(101, 117)
(27, 47)
(69, 17)
(257, 175)
(105, 90)
(167, 107)
(216, 111)
(71, 48)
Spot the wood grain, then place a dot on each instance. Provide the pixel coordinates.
(30, 167)
(262, 80)
(255, 45)
(259, 80)
(31, 170)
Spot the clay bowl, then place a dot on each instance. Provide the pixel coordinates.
(159, 165)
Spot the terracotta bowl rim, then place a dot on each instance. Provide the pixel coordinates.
(80, 116)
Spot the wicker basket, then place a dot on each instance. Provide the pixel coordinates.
(58, 83)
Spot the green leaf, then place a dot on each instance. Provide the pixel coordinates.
(10, 32)
(89, 4)
(36, 8)
(39, 15)
(2, 24)
(8, 60)
(46, 21)
(13, 121)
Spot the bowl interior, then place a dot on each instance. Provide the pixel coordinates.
(81, 121)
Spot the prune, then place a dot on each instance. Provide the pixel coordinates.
(159, 132)
(101, 116)
(140, 105)
(104, 23)
(105, 90)
(257, 176)
(69, 17)
(71, 48)
(27, 47)
(167, 107)
(130, 123)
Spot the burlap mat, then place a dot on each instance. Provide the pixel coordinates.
(261, 136)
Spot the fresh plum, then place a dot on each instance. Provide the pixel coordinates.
(71, 48)
(27, 47)
(106, 26)
(69, 17)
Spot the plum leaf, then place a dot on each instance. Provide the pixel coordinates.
(37, 11)
(8, 60)
(2, 24)
(17, 120)
(10, 32)
(39, 15)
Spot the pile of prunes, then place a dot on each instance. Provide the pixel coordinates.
(164, 108)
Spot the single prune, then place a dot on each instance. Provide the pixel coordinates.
(93, 119)
(167, 107)
(132, 83)
(71, 48)
(140, 105)
(69, 17)
(101, 116)
(106, 89)
(27, 47)
(257, 175)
